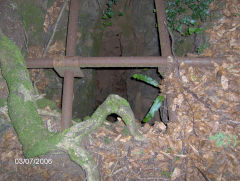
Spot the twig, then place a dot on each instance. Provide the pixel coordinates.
(54, 29)
(173, 50)
(204, 176)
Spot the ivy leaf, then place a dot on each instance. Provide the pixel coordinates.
(220, 139)
(229, 141)
(194, 30)
(193, 22)
(110, 3)
(213, 137)
(120, 14)
(155, 106)
(104, 16)
(179, 28)
(146, 79)
(109, 14)
(115, 1)
(220, 142)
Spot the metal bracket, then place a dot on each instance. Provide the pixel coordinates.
(61, 65)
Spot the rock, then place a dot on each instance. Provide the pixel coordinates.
(84, 95)
(10, 24)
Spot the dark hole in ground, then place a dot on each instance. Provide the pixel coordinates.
(112, 118)
(133, 34)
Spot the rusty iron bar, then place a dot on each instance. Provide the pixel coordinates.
(67, 99)
(162, 28)
(165, 48)
(72, 28)
(66, 119)
(94, 62)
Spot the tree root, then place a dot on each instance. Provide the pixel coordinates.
(70, 143)
(32, 134)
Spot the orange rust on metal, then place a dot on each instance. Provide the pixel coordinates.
(72, 28)
(66, 119)
(92, 62)
(162, 28)
(39, 63)
(61, 65)
(165, 49)
(70, 71)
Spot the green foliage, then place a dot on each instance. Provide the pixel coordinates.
(155, 106)
(108, 14)
(194, 30)
(157, 102)
(120, 14)
(146, 79)
(221, 138)
(165, 173)
(186, 16)
(169, 150)
(201, 48)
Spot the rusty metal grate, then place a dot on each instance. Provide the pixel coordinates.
(69, 66)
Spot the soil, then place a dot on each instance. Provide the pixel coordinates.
(110, 81)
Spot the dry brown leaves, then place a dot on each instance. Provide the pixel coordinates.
(52, 14)
(224, 36)
(57, 49)
(185, 149)
(188, 149)
(38, 76)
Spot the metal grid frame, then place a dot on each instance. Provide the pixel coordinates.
(70, 66)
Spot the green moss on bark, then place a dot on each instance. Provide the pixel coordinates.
(33, 19)
(36, 140)
(43, 103)
(2, 102)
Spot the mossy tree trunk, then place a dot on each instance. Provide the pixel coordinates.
(32, 134)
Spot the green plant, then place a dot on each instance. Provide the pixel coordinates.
(201, 48)
(186, 16)
(108, 14)
(157, 102)
(221, 138)
(165, 173)
(169, 150)
(107, 140)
